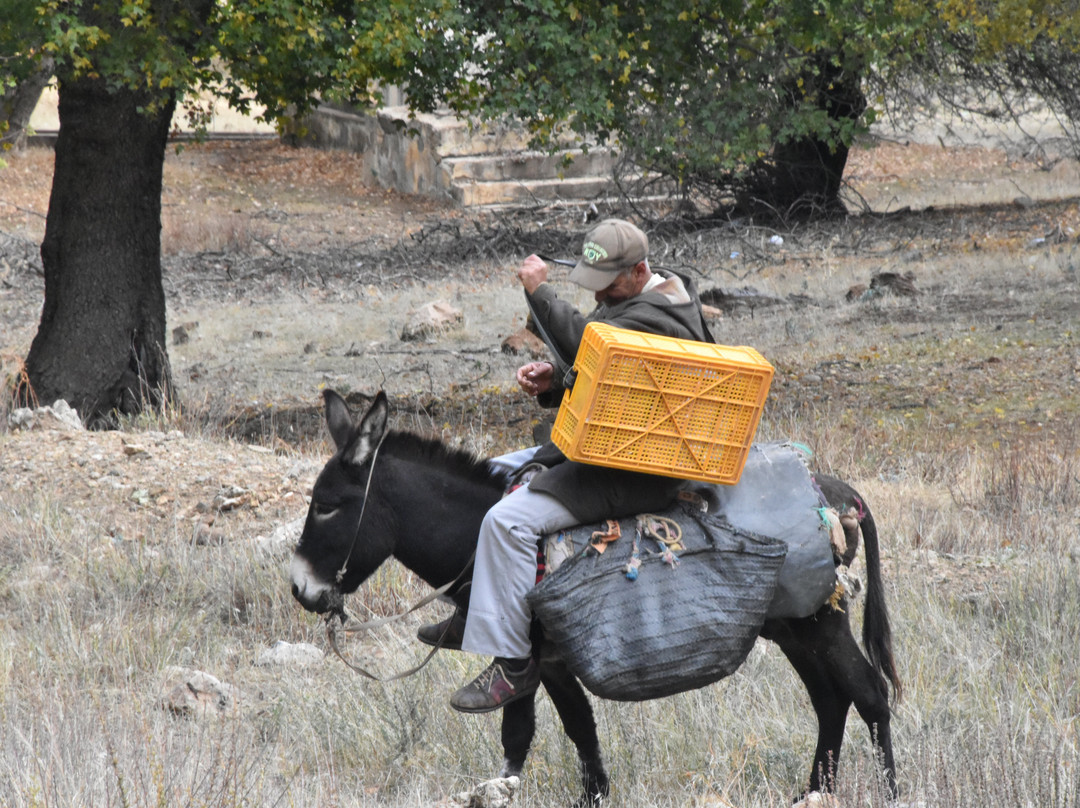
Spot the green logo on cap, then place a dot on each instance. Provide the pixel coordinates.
(593, 253)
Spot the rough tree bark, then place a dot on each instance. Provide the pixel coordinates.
(101, 342)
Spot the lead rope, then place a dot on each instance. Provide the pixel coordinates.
(356, 628)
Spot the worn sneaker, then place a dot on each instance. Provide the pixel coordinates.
(496, 687)
(451, 630)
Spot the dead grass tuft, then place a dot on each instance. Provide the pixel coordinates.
(17, 389)
(1036, 480)
(184, 234)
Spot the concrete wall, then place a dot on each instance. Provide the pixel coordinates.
(406, 152)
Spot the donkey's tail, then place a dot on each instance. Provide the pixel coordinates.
(877, 634)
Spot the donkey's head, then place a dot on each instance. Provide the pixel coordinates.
(340, 545)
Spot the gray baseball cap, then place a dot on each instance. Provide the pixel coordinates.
(611, 246)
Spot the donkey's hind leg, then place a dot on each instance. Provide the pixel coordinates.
(578, 721)
(827, 658)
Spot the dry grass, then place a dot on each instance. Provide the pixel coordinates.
(954, 412)
(981, 555)
(226, 233)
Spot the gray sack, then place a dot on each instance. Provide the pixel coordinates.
(776, 496)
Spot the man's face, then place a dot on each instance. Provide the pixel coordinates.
(624, 287)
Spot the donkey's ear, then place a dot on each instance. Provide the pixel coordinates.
(370, 432)
(338, 419)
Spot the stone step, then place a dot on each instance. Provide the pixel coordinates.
(529, 165)
(509, 192)
(449, 136)
(441, 155)
(452, 137)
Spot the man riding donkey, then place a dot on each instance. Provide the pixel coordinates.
(614, 266)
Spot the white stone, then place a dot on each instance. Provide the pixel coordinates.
(497, 793)
(298, 655)
(429, 319)
(193, 693)
(282, 540)
(59, 416)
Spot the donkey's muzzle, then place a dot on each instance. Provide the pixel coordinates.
(328, 600)
(311, 592)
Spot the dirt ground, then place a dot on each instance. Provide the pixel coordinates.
(286, 273)
(940, 319)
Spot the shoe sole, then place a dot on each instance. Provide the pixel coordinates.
(499, 706)
(447, 646)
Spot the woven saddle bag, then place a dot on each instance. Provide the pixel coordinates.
(642, 619)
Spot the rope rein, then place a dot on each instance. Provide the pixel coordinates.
(359, 628)
(367, 488)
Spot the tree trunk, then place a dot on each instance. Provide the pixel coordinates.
(17, 104)
(101, 341)
(802, 178)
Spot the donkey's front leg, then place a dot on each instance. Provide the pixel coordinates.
(578, 721)
(518, 729)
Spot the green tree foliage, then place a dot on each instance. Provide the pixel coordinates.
(276, 53)
(702, 91)
(754, 103)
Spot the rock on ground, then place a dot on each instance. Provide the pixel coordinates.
(293, 655)
(497, 793)
(193, 693)
(59, 416)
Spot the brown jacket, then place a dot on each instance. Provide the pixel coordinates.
(593, 493)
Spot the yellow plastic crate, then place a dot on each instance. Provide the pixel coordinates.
(661, 405)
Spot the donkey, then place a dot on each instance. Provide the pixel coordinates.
(396, 494)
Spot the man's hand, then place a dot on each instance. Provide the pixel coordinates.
(532, 272)
(536, 377)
